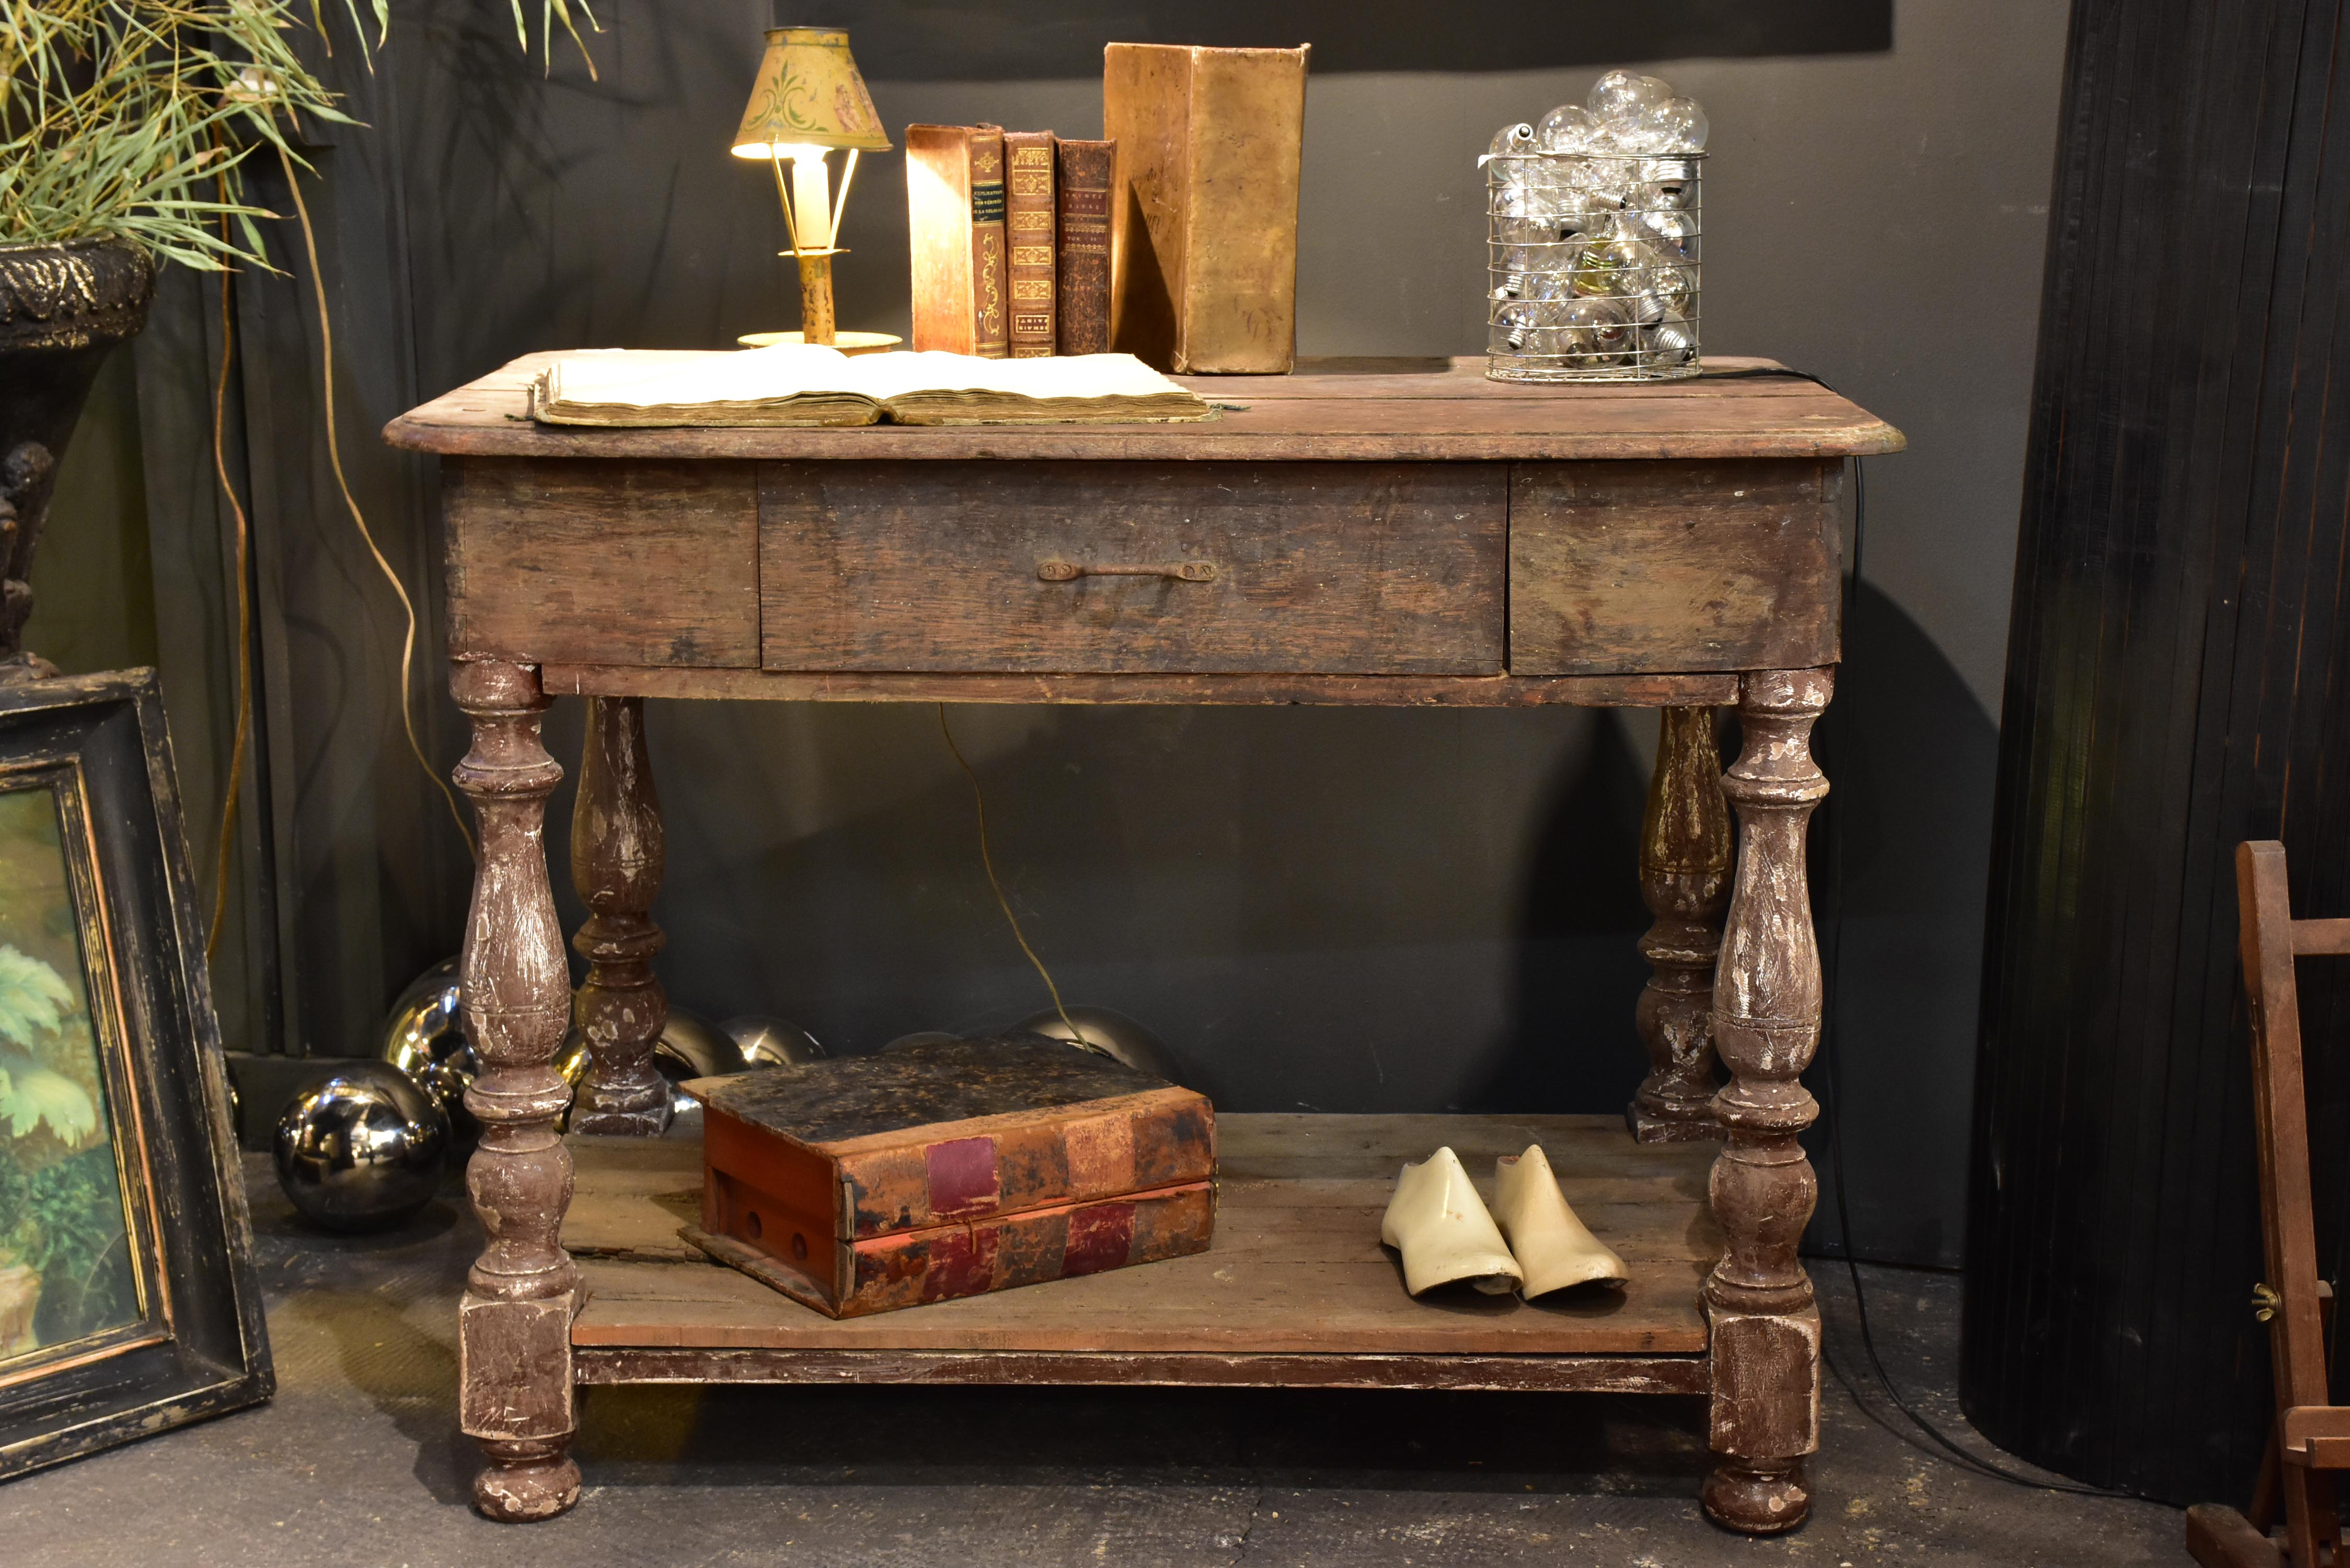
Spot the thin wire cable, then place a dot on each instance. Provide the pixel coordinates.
(986, 858)
(1832, 1054)
(334, 460)
(243, 620)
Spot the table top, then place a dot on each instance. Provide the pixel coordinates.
(1359, 410)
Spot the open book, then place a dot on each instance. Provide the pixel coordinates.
(806, 384)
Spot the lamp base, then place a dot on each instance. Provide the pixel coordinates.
(846, 342)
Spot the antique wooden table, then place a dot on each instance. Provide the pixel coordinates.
(1381, 532)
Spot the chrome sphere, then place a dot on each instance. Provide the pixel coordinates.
(772, 1042)
(424, 1037)
(1109, 1032)
(362, 1151)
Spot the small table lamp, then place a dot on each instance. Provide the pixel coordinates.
(809, 99)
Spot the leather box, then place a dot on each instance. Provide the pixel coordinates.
(867, 1183)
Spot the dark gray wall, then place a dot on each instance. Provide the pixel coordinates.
(1344, 910)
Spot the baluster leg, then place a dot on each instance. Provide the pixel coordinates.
(514, 1339)
(1766, 1025)
(1685, 878)
(616, 864)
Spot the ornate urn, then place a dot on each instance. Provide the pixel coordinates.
(63, 307)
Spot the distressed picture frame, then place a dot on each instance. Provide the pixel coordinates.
(129, 1304)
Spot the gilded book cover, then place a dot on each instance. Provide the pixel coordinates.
(1028, 239)
(866, 1183)
(954, 214)
(1203, 244)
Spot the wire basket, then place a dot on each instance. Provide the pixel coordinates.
(1592, 264)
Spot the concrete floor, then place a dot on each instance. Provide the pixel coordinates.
(357, 1462)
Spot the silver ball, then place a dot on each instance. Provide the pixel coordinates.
(362, 1151)
(1108, 1033)
(772, 1042)
(424, 1037)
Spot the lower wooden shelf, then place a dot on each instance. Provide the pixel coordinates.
(1295, 1290)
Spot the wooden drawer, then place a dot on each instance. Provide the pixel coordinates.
(1337, 568)
(603, 561)
(1628, 567)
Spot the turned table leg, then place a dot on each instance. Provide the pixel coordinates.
(1766, 1023)
(1684, 877)
(514, 1330)
(616, 864)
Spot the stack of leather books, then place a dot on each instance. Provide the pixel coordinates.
(1011, 241)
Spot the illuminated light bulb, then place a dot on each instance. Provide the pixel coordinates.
(1570, 128)
(1680, 124)
(1616, 267)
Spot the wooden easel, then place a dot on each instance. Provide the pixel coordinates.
(2312, 1438)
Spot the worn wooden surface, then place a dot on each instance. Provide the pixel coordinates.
(1196, 1369)
(638, 562)
(617, 857)
(1296, 1267)
(1649, 566)
(1766, 1025)
(514, 1372)
(1384, 410)
(1259, 690)
(1685, 858)
(1350, 569)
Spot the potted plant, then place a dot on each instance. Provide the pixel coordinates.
(124, 125)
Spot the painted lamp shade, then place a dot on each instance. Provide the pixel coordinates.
(808, 94)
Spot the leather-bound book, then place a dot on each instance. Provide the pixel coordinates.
(861, 1184)
(954, 212)
(1082, 175)
(1028, 240)
(1203, 245)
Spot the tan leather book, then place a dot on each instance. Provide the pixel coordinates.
(1028, 240)
(1081, 177)
(954, 212)
(1203, 245)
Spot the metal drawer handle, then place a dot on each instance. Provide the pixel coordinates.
(1184, 572)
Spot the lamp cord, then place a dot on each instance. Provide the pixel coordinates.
(236, 785)
(987, 859)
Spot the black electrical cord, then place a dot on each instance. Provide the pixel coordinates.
(1832, 1054)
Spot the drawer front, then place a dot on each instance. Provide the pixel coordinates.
(603, 561)
(1626, 567)
(1337, 568)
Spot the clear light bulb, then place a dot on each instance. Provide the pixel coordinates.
(1668, 181)
(1512, 139)
(1679, 123)
(1668, 231)
(1593, 334)
(1664, 290)
(1669, 340)
(1567, 128)
(1515, 330)
(1620, 97)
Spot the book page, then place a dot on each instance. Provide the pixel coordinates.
(884, 376)
(653, 378)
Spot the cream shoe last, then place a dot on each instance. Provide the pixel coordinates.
(1552, 1247)
(1443, 1228)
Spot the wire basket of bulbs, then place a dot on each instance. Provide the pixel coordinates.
(1595, 218)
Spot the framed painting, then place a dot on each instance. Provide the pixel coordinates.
(128, 1301)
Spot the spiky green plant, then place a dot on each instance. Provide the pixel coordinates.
(131, 118)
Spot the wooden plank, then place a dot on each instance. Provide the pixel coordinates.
(2321, 938)
(1637, 565)
(645, 563)
(1356, 568)
(1295, 1268)
(1322, 416)
(1656, 691)
(1500, 1373)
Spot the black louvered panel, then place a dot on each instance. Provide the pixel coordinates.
(2179, 680)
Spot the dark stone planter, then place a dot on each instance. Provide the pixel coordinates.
(63, 307)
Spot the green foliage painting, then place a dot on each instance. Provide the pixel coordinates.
(65, 1257)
